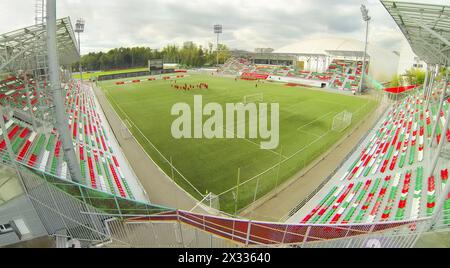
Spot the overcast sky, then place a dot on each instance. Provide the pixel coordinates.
(247, 23)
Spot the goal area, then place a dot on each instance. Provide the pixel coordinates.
(253, 98)
(341, 121)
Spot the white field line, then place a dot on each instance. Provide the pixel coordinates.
(314, 141)
(272, 167)
(272, 151)
(237, 126)
(317, 119)
(300, 150)
(256, 176)
(331, 102)
(131, 121)
(226, 129)
(309, 133)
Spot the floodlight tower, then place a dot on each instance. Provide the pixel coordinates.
(79, 28)
(366, 18)
(39, 12)
(218, 31)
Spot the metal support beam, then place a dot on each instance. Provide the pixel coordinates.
(440, 145)
(430, 86)
(16, 56)
(6, 137)
(426, 81)
(435, 34)
(61, 120)
(441, 104)
(30, 107)
(443, 196)
(438, 55)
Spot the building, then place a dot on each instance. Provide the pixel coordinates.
(408, 59)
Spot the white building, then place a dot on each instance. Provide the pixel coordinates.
(383, 63)
(408, 59)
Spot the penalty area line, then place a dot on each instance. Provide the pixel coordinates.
(243, 138)
(151, 144)
(317, 119)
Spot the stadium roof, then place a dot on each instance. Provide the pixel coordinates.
(20, 47)
(310, 54)
(276, 55)
(426, 27)
(347, 53)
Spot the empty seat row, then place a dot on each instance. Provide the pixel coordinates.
(399, 140)
(389, 198)
(99, 165)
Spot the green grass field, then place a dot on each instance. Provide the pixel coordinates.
(211, 165)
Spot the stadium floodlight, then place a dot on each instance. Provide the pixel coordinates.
(366, 18)
(79, 28)
(217, 31)
(365, 13)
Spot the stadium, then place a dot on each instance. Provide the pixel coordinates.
(305, 146)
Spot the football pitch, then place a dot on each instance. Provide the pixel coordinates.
(216, 165)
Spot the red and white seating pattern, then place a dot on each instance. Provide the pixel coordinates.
(99, 164)
(386, 180)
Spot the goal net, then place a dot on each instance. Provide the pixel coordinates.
(341, 121)
(259, 97)
(125, 129)
(212, 201)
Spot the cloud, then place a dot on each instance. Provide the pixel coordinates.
(247, 24)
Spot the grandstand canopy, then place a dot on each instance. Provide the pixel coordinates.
(346, 53)
(276, 55)
(311, 54)
(20, 47)
(426, 27)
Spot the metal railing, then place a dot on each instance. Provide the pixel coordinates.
(185, 229)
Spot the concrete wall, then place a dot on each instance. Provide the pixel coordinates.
(20, 208)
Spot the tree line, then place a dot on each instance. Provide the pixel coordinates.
(187, 55)
(414, 76)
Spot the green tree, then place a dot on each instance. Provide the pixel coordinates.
(189, 55)
(441, 74)
(415, 76)
(396, 81)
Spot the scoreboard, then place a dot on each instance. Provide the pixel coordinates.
(155, 65)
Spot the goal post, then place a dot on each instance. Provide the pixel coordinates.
(341, 121)
(258, 97)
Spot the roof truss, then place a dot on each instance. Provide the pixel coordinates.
(425, 26)
(18, 49)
